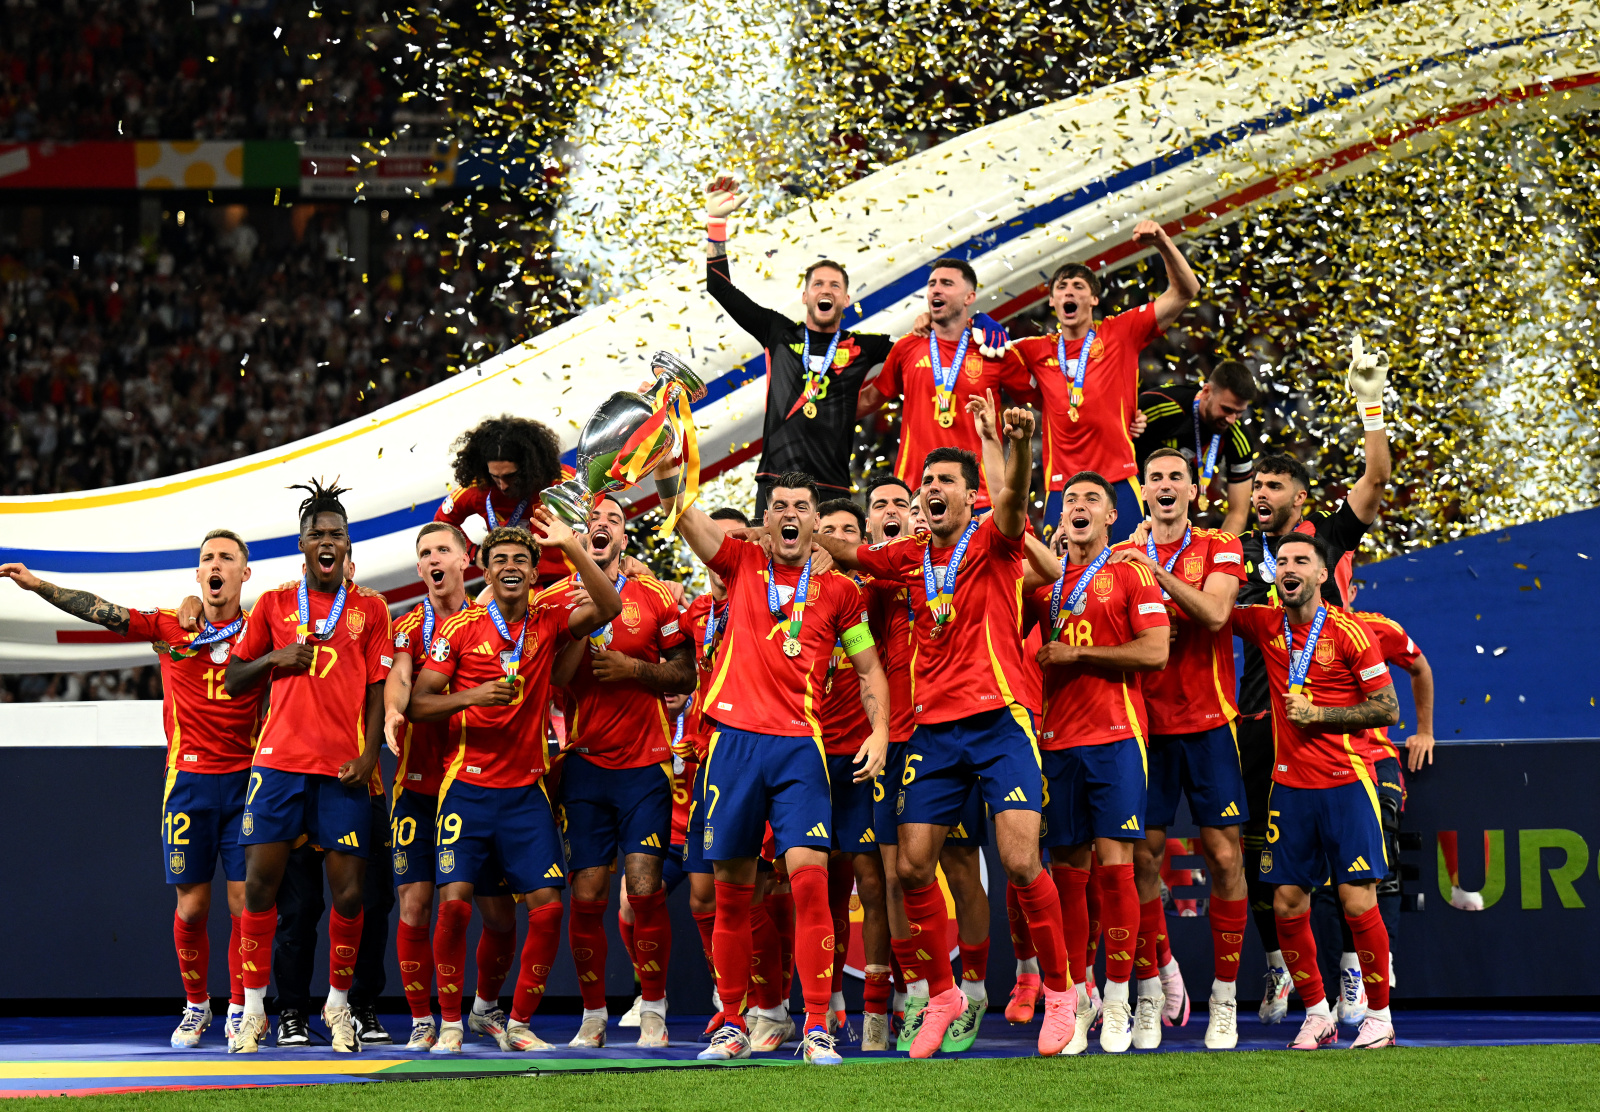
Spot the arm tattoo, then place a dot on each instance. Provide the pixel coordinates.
(869, 703)
(673, 676)
(1382, 709)
(89, 607)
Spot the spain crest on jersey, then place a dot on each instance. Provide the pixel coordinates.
(1192, 567)
(630, 613)
(175, 861)
(1104, 584)
(355, 621)
(400, 861)
(248, 825)
(447, 860)
(1324, 652)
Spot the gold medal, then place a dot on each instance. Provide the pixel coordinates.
(791, 646)
(809, 409)
(1203, 502)
(946, 418)
(1072, 412)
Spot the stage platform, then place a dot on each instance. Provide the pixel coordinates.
(40, 1057)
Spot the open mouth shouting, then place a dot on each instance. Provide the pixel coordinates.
(891, 529)
(1290, 583)
(789, 532)
(327, 559)
(1078, 521)
(1264, 513)
(436, 577)
(214, 583)
(599, 540)
(936, 507)
(1069, 309)
(936, 303)
(824, 305)
(1166, 500)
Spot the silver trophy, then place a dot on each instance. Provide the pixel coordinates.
(619, 432)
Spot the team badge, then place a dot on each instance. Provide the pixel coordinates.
(175, 861)
(1104, 584)
(355, 621)
(1266, 860)
(630, 613)
(706, 842)
(900, 802)
(440, 650)
(219, 652)
(974, 367)
(248, 826)
(1324, 653)
(1097, 349)
(1192, 567)
(447, 860)
(400, 861)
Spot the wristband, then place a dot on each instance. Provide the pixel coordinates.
(1372, 416)
(667, 489)
(717, 229)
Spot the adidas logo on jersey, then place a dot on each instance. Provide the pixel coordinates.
(1015, 795)
(959, 832)
(553, 872)
(350, 840)
(1358, 865)
(1132, 823)
(868, 836)
(654, 841)
(484, 648)
(1231, 811)
(817, 831)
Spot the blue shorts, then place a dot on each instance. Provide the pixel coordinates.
(1094, 791)
(971, 830)
(281, 806)
(995, 749)
(854, 813)
(1391, 786)
(512, 828)
(1130, 510)
(411, 830)
(672, 870)
(200, 819)
(694, 855)
(753, 779)
(1203, 766)
(1323, 835)
(607, 811)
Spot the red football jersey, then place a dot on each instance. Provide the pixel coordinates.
(975, 665)
(696, 727)
(464, 502)
(422, 750)
(844, 723)
(1085, 704)
(502, 747)
(1194, 692)
(625, 724)
(908, 374)
(316, 719)
(208, 730)
(1346, 668)
(754, 686)
(1396, 647)
(891, 631)
(1096, 439)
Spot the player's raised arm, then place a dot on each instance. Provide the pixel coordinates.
(603, 603)
(1419, 746)
(703, 535)
(1182, 286)
(1011, 503)
(80, 604)
(722, 200)
(1368, 375)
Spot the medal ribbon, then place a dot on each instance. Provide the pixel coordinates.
(1080, 368)
(1209, 467)
(1299, 665)
(1056, 609)
(515, 662)
(813, 380)
(601, 637)
(708, 644)
(488, 511)
(944, 379)
(799, 609)
(207, 636)
(326, 626)
(941, 600)
(1150, 550)
(1269, 562)
(428, 620)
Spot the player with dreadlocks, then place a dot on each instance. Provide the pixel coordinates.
(501, 465)
(324, 647)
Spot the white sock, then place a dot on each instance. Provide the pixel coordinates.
(1391, 971)
(716, 1000)
(1348, 960)
(1115, 991)
(1224, 990)
(1083, 996)
(837, 1003)
(657, 1006)
(898, 1001)
(1275, 960)
(777, 1014)
(1151, 986)
(595, 1013)
(1028, 965)
(1170, 969)
(235, 1009)
(255, 1001)
(480, 1006)
(1379, 1013)
(918, 989)
(1319, 1008)
(338, 998)
(450, 1025)
(975, 990)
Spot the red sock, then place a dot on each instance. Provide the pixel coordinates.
(344, 942)
(974, 960)
(731, 948)
(1073, 887)
(1094, 899)
(705, 922)
(1042, 905)
(256, 929)
(1163, 944)
(625, 929)
(235, 981)
(1146, 963)
(1120, 907)
(841, 884)
(1450, 851)
(586, 932)
(895, 968)
(1228, 918)
(1372, 948)
(875, 996)
(450, 956)
(194, 957)
(414, 951)
(1300, 953)
(930, 928)
(538, 954)
(1021, 940)
(652, 935)
(766, 959)
(496, 951)
(814, 941)
(781, 907)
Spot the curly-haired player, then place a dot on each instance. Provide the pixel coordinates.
(500, 466)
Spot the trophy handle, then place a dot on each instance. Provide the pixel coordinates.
(666, 366)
